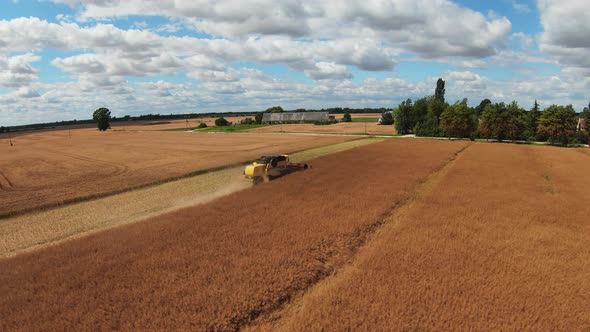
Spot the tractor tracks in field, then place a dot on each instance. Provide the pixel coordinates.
(5, 184)
(326, 253)
(119, 169)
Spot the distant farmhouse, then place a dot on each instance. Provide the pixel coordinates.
(286, 117)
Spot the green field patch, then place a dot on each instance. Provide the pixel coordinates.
(365, 120)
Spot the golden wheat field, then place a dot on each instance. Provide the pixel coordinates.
(402, 234)
(55, 167)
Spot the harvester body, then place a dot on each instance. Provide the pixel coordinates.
(269, 167)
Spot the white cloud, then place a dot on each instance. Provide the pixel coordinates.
(526, 41)
(431, 28)
(566, 26)
(17, 70)
(327, 71)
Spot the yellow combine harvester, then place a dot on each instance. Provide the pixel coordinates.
(266, 168)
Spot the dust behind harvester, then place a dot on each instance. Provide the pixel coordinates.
(268, 167)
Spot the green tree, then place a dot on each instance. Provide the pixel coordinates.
(492, 121)
(386, 118)
(220, 122)
(436, 106)
(458, 120)
(439, 92)
(258, 117)
(559, 123)
(202, 125)
(586, 116)
(421, 109)
(274, 109)
(346, 117)
(532, 120)
(102, 116)
(482, 105)
(515, 121)
(429, 127)
(404, 117)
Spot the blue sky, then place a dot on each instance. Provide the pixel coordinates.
(61, 59)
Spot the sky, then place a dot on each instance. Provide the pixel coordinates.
(62, 59)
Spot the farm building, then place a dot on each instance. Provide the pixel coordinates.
(295, 117)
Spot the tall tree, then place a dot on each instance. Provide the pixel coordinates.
(102, 116)
(436, 106)
(515, 121)
(559, 123)
(458, 120)
(532, 119)
(439, 93)
(420, 109)
(404, 117)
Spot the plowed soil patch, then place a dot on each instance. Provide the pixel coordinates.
(501, 243)
(219, 265)
(47, 169)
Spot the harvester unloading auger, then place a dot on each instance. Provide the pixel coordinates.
(266, 168)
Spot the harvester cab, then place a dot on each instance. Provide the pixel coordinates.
(266, 168)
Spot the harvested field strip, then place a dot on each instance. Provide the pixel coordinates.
(221, 264)
(38, 230)
(56, 171)
(490, 248)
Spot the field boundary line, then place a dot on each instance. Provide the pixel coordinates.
(363, 236)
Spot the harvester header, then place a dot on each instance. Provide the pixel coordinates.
(266, 168)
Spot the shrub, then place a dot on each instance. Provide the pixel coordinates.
(346, 117)
(386, 118)
(249, 121)
(202, 125)
(220, 122)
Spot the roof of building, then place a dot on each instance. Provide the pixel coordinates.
(295, 116)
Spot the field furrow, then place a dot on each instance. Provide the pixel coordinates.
(500, 243)
(222, 264)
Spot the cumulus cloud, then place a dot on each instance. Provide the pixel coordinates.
(432, 28)
(328, 70)
(17, 70)
(566, 26)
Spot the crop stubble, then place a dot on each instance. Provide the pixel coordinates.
(48, 169)
(219, 265)
(500, 243)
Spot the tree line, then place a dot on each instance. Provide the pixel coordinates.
(432, 116)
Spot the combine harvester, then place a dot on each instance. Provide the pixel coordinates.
(266, 168)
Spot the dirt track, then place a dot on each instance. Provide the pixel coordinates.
(219, 265)
(50, 168)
